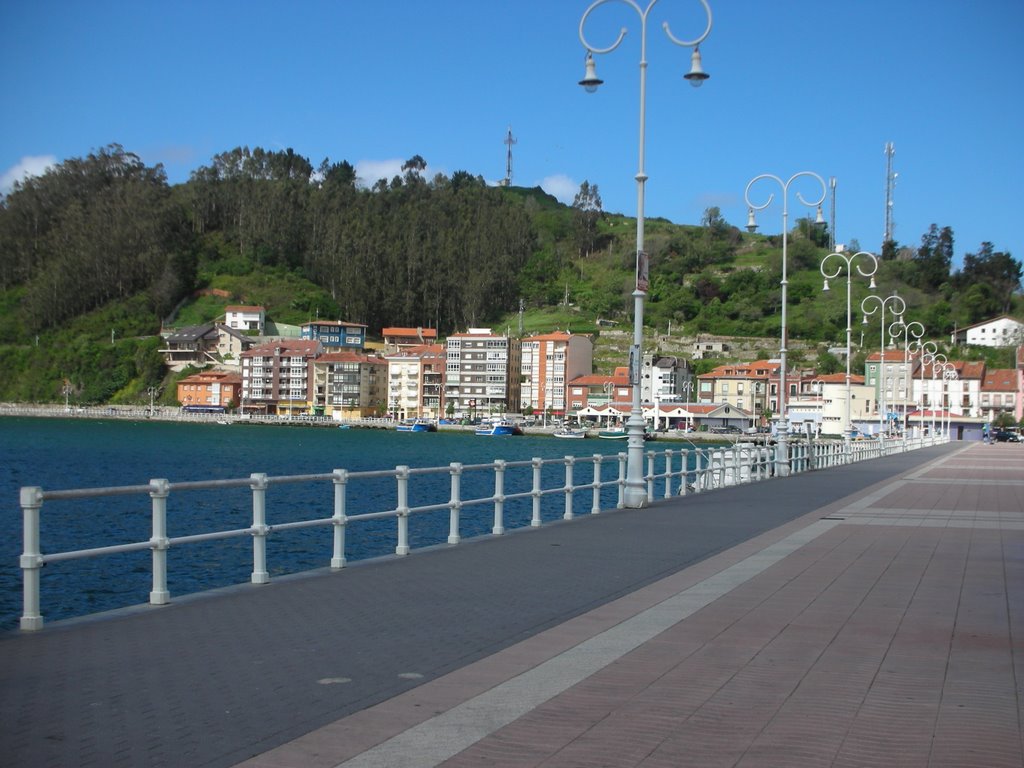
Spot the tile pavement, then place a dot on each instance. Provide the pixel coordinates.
(884, 629)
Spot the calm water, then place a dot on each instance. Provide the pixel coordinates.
(58, 454)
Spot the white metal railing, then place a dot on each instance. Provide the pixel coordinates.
(712, 468)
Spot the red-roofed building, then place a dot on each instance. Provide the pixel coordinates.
(598, 389)
(349, 385)
(218, 389)
(754, 386)
(1000, 391)
(245, 318)
(548, 362)
(277, 377)
(405, 338)
(416, 382)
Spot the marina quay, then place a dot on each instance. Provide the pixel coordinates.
(855, 613)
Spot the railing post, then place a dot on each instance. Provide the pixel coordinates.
(536, 492)
(339, 520)
(595, 504)
(499, 498)
(455, 504)
(31, 557)
(698, 460)
(161, 490)
(685, 471)
(668, 474)
(650, 476)
(402, 476)
(259, 528)
(569, 461)
(622, 481)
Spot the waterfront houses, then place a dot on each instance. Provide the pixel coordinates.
(277, 377)
(349, 385)
(548, 362)
(999, 392)
(415, 381)
(752, 386)
(211, 389)
(1001, 331)
(481, 373)
(665, 379)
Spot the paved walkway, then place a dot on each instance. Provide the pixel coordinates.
(886, 629)
(868, 615)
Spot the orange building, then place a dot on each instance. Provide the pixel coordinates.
(218, 389)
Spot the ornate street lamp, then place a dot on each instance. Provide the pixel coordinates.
(782, 454)
(896, 306)
(910, 331)
(635, 492)
(831, 267)
(926, 349)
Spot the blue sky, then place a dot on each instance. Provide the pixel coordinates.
(799, 85)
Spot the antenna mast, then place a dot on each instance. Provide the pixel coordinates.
(509, 141)
(890, 182)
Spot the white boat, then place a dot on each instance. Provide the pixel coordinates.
(615, 433)
(570, 434)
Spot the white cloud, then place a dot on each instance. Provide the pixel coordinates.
(27, 166)
(561, 187)
(369, 172)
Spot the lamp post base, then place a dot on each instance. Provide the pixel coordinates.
(635, 494)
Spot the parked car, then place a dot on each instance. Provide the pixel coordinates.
(1004, 436)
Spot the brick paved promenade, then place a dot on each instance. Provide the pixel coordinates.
(869, 615)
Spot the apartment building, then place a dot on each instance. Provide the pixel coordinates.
(349, 385)
(335, 334)
(415, 377)
(481, 373)
(408, 338)
(750, 386)
(277, 377)
(217, 389)
(1003, 331)
(665, 379)
(999, 392)
(891, 375)
(547, 363)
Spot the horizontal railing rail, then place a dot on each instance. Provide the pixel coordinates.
(683, 472)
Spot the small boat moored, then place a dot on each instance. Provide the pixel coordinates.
(416, 425)
(570, 434)
(498, 427)
(615, 433)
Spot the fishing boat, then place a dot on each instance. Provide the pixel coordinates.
(570, 434)
(416, 425)
(614, 433)
(498, 427)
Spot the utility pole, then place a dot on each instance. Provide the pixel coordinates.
(890, 183)
(509, 141)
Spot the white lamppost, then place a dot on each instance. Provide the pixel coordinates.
(782, 455)
(926, 350)
(949, 373)
(688, 392)
(938, 361)
(910, 331)
(867, 266)
(896, 306)
(635, 492)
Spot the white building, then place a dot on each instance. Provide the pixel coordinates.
(415, 382)
(1000, 332)
(245, 318)
(549, 361)
(665, 379)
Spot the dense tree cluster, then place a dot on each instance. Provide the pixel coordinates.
(92, 230)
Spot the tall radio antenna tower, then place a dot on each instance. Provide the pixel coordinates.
(890, 182)
(509, 141)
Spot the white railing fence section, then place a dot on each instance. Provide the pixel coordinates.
(711, 468)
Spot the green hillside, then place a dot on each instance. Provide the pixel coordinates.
(100, 253)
